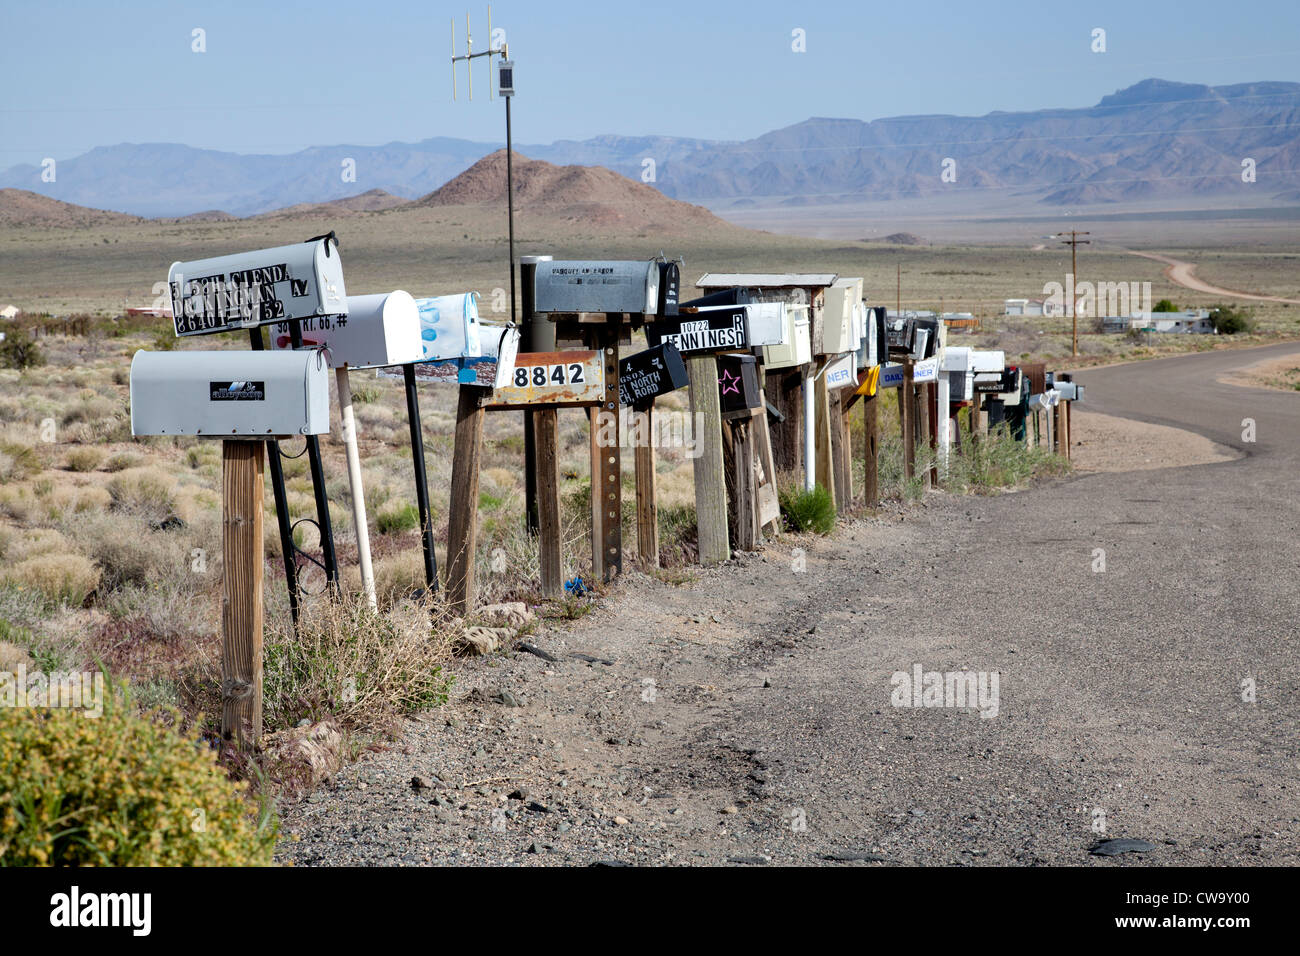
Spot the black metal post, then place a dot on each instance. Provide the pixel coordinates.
(281, 505)
(318, 486)
(421, 479)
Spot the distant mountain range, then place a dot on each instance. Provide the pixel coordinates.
(1155, 139)
(545, 195)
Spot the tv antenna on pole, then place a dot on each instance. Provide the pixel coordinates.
(505, 80)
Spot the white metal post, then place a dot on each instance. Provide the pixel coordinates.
(354, 479)
(944, 424)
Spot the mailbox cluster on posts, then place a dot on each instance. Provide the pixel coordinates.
(302, 281)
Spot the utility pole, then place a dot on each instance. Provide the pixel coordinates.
(1074, 242)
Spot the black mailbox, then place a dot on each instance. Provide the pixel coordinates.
(737, 295)
(899, 336)
(670, 282)
(644, 376)
(738, 383)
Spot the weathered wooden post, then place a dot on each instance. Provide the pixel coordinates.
(546, 430)
(242, 484)
(647, 511)
(871, 448)
(462, 533)
(710, 479)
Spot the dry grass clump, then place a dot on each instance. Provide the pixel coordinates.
(18, 461)
(146, 492)
(85, 458)
(361, 668)
(59, 578)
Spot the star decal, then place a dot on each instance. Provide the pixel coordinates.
(729, 382)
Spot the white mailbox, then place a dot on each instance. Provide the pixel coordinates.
(842, 299)
(615, 285)
(765, 322)
(987, 360)
(797, 347)
(1070, 391)
(223, 394)
(449, 326)
(248, 289)
(379, 330)
(956, 359)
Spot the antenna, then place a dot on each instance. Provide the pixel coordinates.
(505, 70)
(469, 55)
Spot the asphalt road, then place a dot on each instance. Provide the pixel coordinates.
(753, 715)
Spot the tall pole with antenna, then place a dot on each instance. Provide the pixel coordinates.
(506, 88)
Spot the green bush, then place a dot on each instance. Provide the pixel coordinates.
(809, 510)
(19, 350)
(119, 789)
(1164, 305)
(1229, 321)
(84, 459)
(399, 519)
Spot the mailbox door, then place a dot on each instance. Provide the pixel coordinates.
(670, 283)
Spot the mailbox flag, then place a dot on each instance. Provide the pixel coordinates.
(449, 326)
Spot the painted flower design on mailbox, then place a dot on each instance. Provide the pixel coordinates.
(449, 326)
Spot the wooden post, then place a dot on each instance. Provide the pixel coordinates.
(871, 448)
(546, 431)
(242, 464)
(769, 507)
(710, 479)
(845, 445)
(745, 483)
(784, 389)
(647, 511)
(905, 411)
(825, 456)
(462, 533)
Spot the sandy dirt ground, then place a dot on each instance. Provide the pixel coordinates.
(1107, 443)
(1140, 624)
(1277, 373)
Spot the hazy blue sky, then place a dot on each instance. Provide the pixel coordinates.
(285, 74)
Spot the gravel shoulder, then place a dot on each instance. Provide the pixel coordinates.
(750, 716)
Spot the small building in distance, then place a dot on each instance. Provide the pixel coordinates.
(1032, 307)
(1187, 322)
(9, 312)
